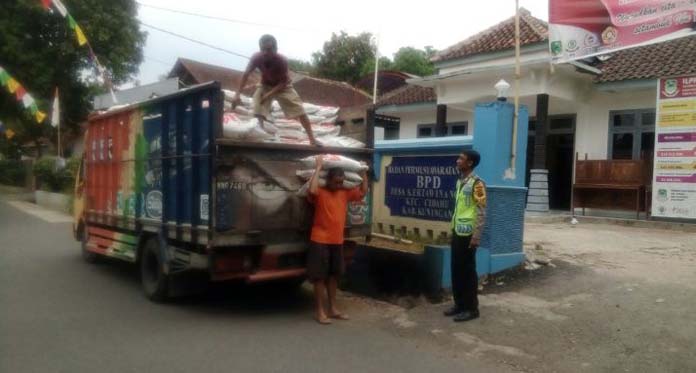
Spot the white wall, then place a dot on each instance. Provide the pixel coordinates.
(408, 128)
(592, 126)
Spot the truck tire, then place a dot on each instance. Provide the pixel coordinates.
(154, 281)
(87, 255)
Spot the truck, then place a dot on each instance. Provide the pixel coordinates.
(160, 187)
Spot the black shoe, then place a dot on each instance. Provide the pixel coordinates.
(454, 310)
(466, 316)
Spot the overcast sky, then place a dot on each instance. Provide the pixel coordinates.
(302, 26)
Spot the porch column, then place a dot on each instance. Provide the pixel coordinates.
(538, 194)
(441, 123)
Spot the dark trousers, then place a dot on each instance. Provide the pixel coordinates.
(464, 277)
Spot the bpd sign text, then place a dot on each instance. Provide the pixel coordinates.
(422, 187)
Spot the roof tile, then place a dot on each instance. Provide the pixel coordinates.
(499, 37)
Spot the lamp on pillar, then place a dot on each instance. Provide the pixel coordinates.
(502, 87)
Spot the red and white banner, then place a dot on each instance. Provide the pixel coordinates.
(585, 28)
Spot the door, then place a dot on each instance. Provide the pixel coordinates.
(560, 150)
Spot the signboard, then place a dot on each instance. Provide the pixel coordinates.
(674, 176)
(580, 29)
(422, 187)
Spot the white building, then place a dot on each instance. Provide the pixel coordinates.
(604, 108)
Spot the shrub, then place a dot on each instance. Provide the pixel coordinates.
(50, 179)
(12, 172)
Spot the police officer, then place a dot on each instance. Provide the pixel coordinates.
(467, 225)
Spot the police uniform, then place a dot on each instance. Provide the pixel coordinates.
(467, 223)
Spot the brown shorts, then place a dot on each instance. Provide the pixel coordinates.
(324, 261)
(287, 98)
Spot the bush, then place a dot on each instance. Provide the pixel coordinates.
(50, 179)
(12, 172)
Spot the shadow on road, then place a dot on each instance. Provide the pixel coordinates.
(223, 297)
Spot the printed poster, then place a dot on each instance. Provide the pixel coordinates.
(674, 175)
(583, 28)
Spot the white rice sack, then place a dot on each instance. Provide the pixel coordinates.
(310, 108)
(326, 130)
(235, 128)
(278, 114)
(275, 106)
(353, 177)
(241, 110)
(292, 134)
(304, 190)
(342, 142)
(327, 111)
(258, 134)
(329, 120)
(288, 124)
(333, 161)
(315, 119)
(270, 127)
(229, 96)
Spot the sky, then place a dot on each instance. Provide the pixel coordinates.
(302, 26)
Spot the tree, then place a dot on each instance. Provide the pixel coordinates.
(40, 50)
(344, 57)
(414, 61)
(384, 64)
(300, 66)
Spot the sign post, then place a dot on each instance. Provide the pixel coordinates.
(674, 173)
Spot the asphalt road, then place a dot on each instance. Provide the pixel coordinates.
(61, 314)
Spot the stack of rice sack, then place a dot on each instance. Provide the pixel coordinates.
(350, 167)
(240, 124)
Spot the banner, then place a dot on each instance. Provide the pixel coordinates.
(583, 28)
(674, 173)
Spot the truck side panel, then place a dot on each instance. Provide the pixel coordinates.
(148, 167)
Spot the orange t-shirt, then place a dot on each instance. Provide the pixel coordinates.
(331, 208)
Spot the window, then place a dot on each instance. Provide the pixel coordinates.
(391, 131)
(632, 134)
(426, 131)
(453, 129)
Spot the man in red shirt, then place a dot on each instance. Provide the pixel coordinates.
(325, 256)
(275, 85)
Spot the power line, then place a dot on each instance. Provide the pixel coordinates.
(194, 40)
(230, 20)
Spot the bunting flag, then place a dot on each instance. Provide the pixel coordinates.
(20, 92)
(81, 38)
(55, 114)
(21, 95)
(12, 85)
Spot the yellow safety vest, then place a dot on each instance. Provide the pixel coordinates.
(465, 215)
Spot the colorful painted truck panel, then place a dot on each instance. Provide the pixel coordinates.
(159, 171)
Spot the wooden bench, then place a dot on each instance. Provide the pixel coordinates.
(610, 184)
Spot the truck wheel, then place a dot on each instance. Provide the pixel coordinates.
(87, 255)
(155, 282)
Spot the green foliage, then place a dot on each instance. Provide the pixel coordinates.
(12, 172)
(414, 61)
(345, 57)
(384, 64)
(52, 179)
(40, 50)
(300, 66)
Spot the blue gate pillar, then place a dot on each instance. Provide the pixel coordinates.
(502, 239)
